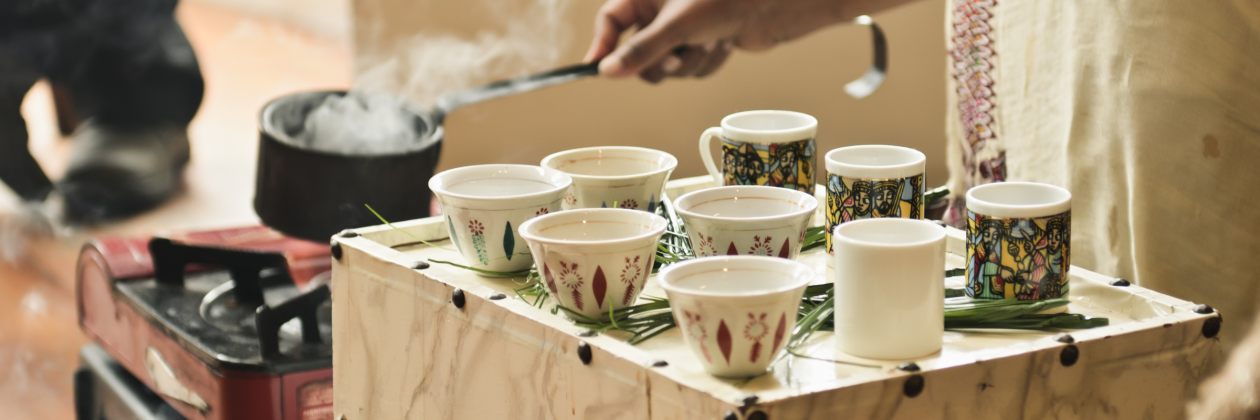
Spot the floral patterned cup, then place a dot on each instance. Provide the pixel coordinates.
(771, 148)
(746, 220)
(736, 313)
(484, 205)
(595, 260)
(872, 181)
(614, 176)
(1019, 241)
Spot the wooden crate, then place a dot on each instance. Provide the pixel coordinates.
(404, 350)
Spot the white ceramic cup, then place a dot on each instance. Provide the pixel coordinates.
(771, 148)
(595, 259)
(627, 177)
(873, 181)
(736, 313)
(751, 220)
(485, 205)
(1019, 241)
(890, 288)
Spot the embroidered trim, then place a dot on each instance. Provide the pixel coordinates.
(973, 58)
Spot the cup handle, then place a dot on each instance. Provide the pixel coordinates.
(707, 156)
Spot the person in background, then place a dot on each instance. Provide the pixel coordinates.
(126, 82)
(1147, 111)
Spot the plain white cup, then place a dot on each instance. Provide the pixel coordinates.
(595, 259)
(625, 177)
(750, 220)
(736, 313)
(484, 206)
(889, 288)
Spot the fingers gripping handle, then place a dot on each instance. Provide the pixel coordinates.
(707, 155)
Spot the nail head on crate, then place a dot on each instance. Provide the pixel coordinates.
(909, 367)
(660, 363)
(457, 298)
(348, 234)
(913, 386)
(1120, 283)
(335, 248)
(750, 400)
(497, 296)
(1212, 327)
(1203, 309)
(584, 352)
(419, 265)
(1069, 355)
(586, 332)
(1065, 338)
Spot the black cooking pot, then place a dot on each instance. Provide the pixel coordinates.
(313, 194)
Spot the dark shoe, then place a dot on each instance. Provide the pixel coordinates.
(118, 172)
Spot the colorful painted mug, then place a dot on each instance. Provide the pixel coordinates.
(485, 205)
(752, 220)
(770, 148)
(1019, 237)
(736, 313)
(873, 181)
(613, 176)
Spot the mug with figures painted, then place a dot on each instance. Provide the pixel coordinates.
(770, 148)
(872, 181)
(1018, 241)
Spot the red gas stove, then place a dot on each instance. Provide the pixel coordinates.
(229, 324)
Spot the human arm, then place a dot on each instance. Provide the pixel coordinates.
(683, 38)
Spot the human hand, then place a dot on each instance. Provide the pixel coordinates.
(681, 38)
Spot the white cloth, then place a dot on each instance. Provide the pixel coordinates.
(1148, 111)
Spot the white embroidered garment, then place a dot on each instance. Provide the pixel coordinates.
(1148, 111)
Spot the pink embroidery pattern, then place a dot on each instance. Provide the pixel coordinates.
(973, 57)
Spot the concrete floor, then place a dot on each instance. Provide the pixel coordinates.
(246, 61)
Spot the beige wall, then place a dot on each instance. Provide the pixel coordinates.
(807, 75)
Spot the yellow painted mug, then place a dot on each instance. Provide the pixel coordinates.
(770, 148)
(872, 181)
(1019, 237)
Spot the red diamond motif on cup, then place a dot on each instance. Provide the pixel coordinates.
(724, 341)
(599, 286)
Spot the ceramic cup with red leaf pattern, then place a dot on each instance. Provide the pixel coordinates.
(594, 259)
(736, 313)
(746, 220)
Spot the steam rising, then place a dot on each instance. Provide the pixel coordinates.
(423, 67)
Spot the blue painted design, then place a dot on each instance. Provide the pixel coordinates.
(603, 205)
(454, 237)
(509, 241)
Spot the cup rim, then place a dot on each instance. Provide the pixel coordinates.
(655, 222)
(912, 167)
(437, 181)
(785, 135)
(672, 162)
(937, 233)
(1050, 207)
(663, 278)
(760, 191)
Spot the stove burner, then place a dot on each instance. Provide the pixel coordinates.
(240, 317)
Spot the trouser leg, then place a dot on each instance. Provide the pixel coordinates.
(18, 168)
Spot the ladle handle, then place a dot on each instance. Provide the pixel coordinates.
(453, 100)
